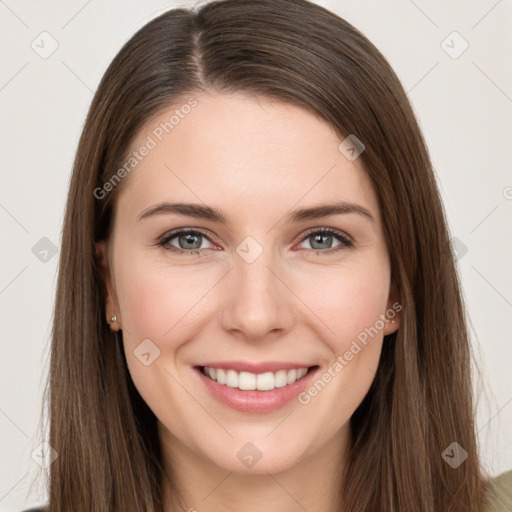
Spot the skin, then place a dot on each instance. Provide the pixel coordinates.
(255, 159)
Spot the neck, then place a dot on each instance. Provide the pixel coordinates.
(312, 483)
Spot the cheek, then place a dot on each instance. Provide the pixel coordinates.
(157, 304)
(165, 305)
(351, 306)
(154, 299)
(348, 299)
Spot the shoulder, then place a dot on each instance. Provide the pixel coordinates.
(500, 493)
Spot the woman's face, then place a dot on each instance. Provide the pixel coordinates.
(253, 283)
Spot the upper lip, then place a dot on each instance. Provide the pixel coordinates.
(246, 366)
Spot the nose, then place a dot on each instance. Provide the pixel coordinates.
(259, 302)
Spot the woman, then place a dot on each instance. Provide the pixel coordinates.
(257, 302)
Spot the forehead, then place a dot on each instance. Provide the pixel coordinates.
(248, 151)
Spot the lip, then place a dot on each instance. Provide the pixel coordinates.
(246, 366)
(256, 401)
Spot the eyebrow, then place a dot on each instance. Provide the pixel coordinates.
(201, 211)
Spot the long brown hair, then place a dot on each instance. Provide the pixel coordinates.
(109, 454)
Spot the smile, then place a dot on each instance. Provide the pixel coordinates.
(251, 381)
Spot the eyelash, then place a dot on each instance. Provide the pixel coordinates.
(346, 242)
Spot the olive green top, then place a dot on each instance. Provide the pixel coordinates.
(501, 497)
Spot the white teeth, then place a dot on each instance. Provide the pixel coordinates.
(221, 376)
(247, 380)
(232, 379)
(281, 379)
(265, 381)
(251, 381)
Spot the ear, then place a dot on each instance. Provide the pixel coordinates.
(111, 304)
(393, 312)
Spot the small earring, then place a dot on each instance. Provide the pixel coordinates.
(113, 319)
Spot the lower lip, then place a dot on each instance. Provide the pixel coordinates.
(257, 401)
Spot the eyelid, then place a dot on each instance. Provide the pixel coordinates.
(165, 238)
(345, 240)
(325, 229)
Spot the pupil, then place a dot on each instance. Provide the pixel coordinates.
(318, 240)
(189, 239)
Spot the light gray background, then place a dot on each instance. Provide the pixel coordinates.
(464, 106)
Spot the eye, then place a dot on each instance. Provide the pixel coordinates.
(321, 240)
(190, 241)
(186, 241)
